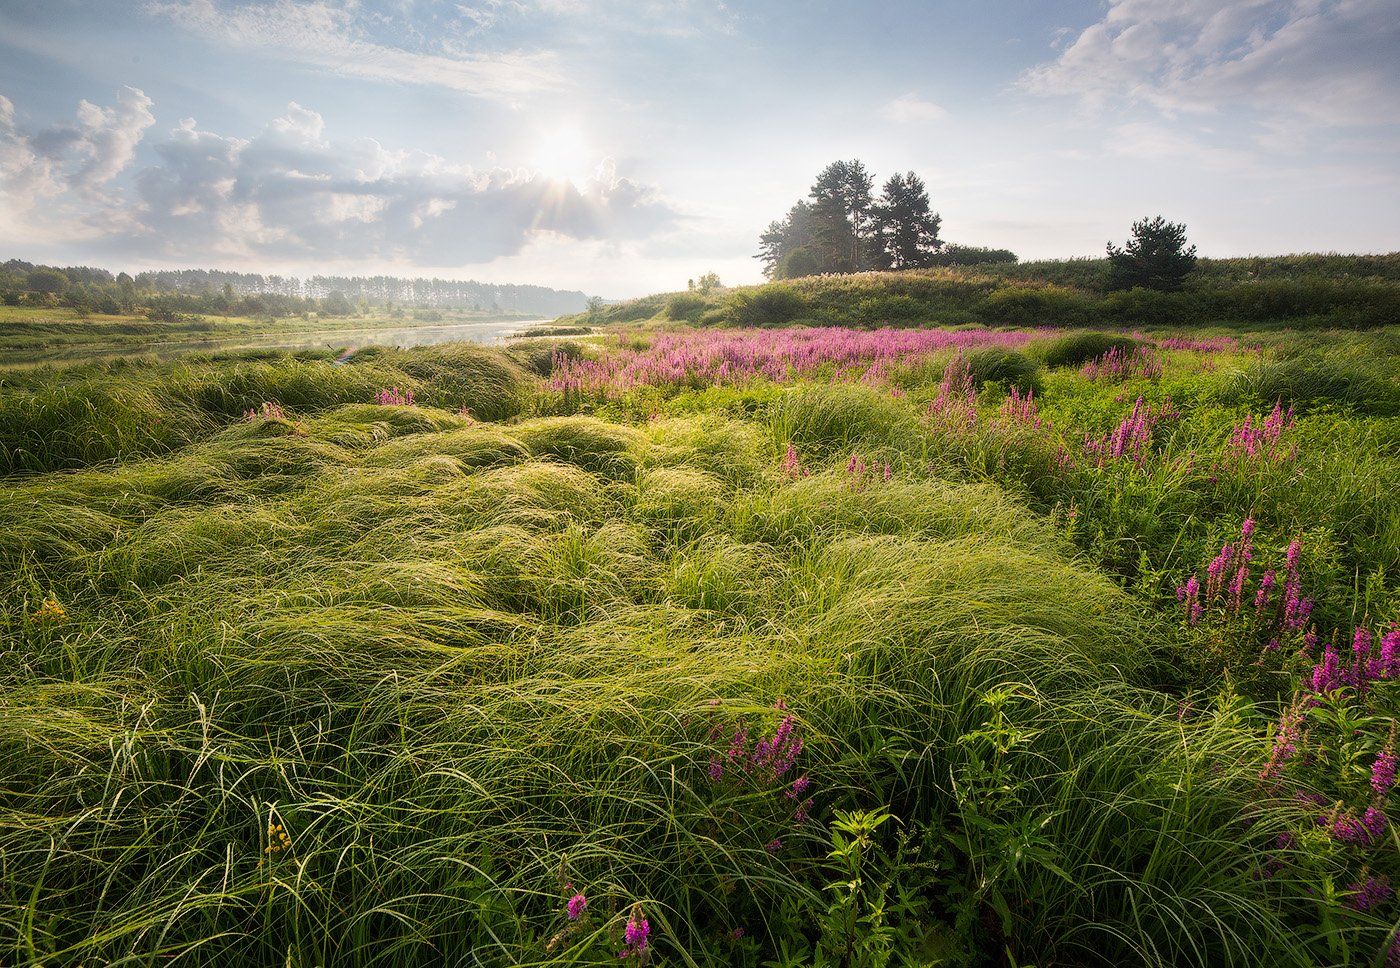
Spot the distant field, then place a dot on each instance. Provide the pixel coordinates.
(462, 655)
(40, 335)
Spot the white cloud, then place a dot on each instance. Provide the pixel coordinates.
(1327, 62)
(83, 155)
(1155, 142)
(912, 109)
(24, 173)
(330, 37)
(107, 137)
(291, 193)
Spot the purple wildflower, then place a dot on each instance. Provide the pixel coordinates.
(1327, 674)
(1265, 591)
(1372, 892)
(1383, 771)
(576, 906)
(635, 934)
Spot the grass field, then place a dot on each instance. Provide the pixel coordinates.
(1288, 293)
(35, 335)
(707, 646)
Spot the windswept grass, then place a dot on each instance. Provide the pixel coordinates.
(51, 420)
(380, 684)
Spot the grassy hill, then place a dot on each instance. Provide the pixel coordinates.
(1317, 291)
(793, 644)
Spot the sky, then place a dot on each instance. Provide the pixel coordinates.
(624, 146)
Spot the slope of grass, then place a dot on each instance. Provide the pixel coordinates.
(387, 684)
(72, 418)
(1308, 291)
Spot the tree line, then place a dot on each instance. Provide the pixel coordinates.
(221, 292)
(843, 226)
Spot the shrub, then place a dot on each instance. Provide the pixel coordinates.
(953, 254)
(878, 309)
(770, 305)
(1007, 367)
(1153, 308)
(685, 306)
(1076, 349)
(1036, 306)
(1312, 381)
(540, 355)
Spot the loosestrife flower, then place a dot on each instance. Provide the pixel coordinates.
(1259, 441)
(1370, 893)
(1362, 831)
(1119, 365)
(1190, 593)
(268, 411)
(957, 397)
(1327, 674)
(1019, 409)
(1132, 439)
(792, 465)
(700, 358)
(576, 906)
(1383, 770)
(635, 934)
(394, 397)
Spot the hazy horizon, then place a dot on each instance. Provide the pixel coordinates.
(623, 148)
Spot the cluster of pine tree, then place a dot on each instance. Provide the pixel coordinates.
(843, 227)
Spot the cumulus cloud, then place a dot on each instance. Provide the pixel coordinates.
(1326, 61)
(82, 155)
(912, 109)
(332, 37)
(291, 192)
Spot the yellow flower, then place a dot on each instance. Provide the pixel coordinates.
(50, 611)
(279, 839)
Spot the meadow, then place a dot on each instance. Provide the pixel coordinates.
(1304, 292)
(56, 335)
(698, 645)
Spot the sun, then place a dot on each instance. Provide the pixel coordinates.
(562, 152)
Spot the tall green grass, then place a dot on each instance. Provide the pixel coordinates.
(465, 663)
(76, 417)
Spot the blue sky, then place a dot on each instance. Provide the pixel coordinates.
(622, 146)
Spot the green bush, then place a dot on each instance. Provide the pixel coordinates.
(1311, 381)
(685, 306)
(1007, 367)
(1049, 305)
(1150, 307)
(770, 305)
(879, 309)
(539, 355)
(1076, 349)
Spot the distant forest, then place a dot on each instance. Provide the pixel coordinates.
(253, 294)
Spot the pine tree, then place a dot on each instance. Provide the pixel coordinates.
(1156, 257)
(790, 245)
(906, 228)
